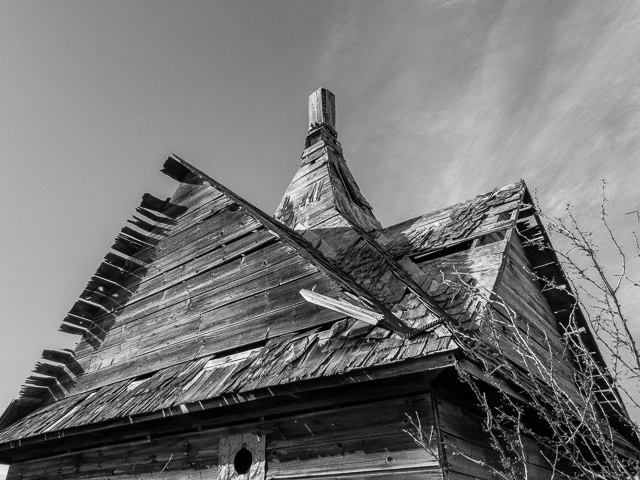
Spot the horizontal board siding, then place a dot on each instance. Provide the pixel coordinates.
(520, 291)
(356, 441)
(482, 263)
(224, 283)
(219, 278)
(257, 319)
(390, 453)
(423, 473)
(468, 450)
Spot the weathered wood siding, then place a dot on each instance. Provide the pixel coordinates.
(363, 440)
(481, 263)
(536, 321)
(324, 194)
(218, 281)
(482, 216)
(468, 451)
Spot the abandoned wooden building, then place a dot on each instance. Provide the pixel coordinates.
(219, 342)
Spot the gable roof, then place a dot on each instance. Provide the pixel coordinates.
(193, 373)
(173, 304)
(199, 305)
(183, 380)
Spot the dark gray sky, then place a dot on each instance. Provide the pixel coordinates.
(437, 101)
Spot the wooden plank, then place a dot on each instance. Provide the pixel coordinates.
(276, 312)
(187, 452)
(354, 456)
(514, 288)
(183, 226)
(187, 278)
(189, 244)
(343, 307)
(482, 263)
(190, 299)
(427, 368)
(308, 174)
(369, 420)
(345, 440)
(171, 252)
(180, 285)
(351, 389)
(421, 473)
(461, 420)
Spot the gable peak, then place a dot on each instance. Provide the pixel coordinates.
(323, 193)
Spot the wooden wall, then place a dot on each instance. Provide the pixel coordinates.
(218, 281)
(521, 292)
(481, 263)
(468, 451)
(362, 439)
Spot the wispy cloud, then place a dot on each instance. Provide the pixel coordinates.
(474, 95)
(456, 98)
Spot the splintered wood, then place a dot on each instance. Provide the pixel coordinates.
(220, 343)
(331, 441)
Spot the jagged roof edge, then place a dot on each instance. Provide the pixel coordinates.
(176, 168)
(291, 238)
(411, 220)
(49, 382)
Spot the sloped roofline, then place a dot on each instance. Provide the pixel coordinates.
(177, 168)
(555, 272)
(411, 220)
(527, 199)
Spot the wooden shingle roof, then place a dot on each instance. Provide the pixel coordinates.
(449, 226)
(213, 381)
(211, 275)
(198, 304)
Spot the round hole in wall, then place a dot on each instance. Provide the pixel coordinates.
(242, 461)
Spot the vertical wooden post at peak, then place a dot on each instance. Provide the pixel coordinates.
(322, 109)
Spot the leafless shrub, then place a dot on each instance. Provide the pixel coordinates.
(579, 426)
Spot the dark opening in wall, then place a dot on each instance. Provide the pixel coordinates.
(242, 461)
(442, 252)
(492, 238)
(144, 376)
